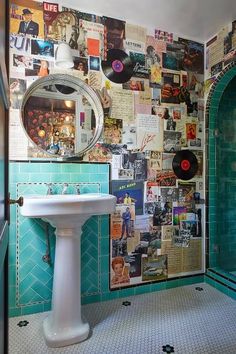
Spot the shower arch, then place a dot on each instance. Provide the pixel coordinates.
(217, 219)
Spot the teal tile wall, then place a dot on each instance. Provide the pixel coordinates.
(222, 173)
(226, 178)
(30, 279)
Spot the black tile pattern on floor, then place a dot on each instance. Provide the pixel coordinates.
(22, 323)
(168, 349)
(182, 318)
(126, 303)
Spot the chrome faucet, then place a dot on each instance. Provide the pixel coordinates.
(77, 187)
(50, 188)
(64, 189)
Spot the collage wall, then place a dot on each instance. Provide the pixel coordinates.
(157, 230)
(220, 52)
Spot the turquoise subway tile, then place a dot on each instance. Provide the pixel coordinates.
(25, 270)
(28, 310)
(13, 213)
(87, 288)
(105, 187)
(209, 281)
(14, 169)
(89, 168)
(213, 260)
(90, 187)
(90, 263)
(51, 168)
(14, 312)
(23, 177)
(104, 262)
(104, 282)
(158, 286)
(60, 177)
(90, 299)
(105, 228)
(221, 279)
(47, 306)
(12, 254)
(142, 289)
(12, 231)
(27, 253)
(104, 251)
(186, 281)
(127, 292)
(104, 168)
(30, 168)
(41, 290)
(221, 288)
(12, 188)
(27, 282)
(105, 244)
(39, 177)
(99, 177)
(215, 102)
(216, 97)
(27, 296)
(12, 274)
(110, 295)
(70, 168)
(213, 112)
(49, 284)
(198, 279)
(12, 296)
(38, 273)
(172, 284)
(232, 294)
(212, 172)
(76, 178)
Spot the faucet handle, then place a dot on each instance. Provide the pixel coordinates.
(77, 188)
(64, 189)
(49, 185)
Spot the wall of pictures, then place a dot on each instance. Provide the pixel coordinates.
(220, 51)
(157, 231)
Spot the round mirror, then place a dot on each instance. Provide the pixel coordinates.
(62, 115)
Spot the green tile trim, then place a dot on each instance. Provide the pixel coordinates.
(219, 278)
(212, 114)
(221, 286)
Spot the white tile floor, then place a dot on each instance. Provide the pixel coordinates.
(193, 322)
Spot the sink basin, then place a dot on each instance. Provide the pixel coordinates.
(67, 213)
(53, 207)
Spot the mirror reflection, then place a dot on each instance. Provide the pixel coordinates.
(61, 118)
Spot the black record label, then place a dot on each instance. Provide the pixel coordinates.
(185, 164)
(118, 67)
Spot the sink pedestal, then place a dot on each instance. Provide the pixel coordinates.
(64, 325)
(67, 213)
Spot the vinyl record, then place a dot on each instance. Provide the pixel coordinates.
(118, 67)
(185, 164)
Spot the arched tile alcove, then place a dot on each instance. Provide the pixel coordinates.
(221, 175)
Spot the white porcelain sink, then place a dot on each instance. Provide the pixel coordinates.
(67, 213)
(53, 207)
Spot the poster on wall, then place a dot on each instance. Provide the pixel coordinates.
(193, 56)
(114, 34)
(26, 18)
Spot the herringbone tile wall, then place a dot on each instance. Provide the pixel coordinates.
(30, 278)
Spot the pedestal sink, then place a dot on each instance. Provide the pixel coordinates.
(67, 213)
